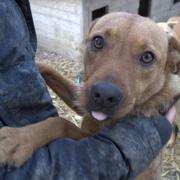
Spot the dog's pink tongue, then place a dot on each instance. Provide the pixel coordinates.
(99, 116)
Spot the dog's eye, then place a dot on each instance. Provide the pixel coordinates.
(147, 58)
(98, 42)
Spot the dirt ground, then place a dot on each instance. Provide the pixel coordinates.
(71, 70)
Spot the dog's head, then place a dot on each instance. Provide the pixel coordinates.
(128, 62)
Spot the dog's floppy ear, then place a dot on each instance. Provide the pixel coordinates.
(172, 24)
(174, 52)
(174, 46)
(92, 24)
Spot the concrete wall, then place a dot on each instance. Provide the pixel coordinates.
(59, 25)
(161, 10)
(114, 5)
(125, 5)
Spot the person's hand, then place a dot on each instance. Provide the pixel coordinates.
(171, 115)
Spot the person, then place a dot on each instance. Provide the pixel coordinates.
(118, 152)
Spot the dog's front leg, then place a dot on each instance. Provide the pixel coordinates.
(18, 144)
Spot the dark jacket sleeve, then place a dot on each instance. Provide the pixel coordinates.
(23, 94)
(118, 152)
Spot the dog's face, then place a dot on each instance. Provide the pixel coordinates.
(126, 64)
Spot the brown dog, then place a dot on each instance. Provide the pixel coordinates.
(131, 67)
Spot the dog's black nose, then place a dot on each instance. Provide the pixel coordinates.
(106, 95)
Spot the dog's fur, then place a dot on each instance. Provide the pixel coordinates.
(145, 88)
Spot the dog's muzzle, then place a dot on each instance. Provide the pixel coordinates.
(104, 99)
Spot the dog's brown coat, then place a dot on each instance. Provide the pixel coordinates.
(145, 89)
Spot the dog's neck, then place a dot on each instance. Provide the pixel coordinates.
(163, 100)
(166, 108)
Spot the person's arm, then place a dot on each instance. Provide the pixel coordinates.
(113, 153)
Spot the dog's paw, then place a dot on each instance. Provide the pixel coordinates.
(15, 147)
